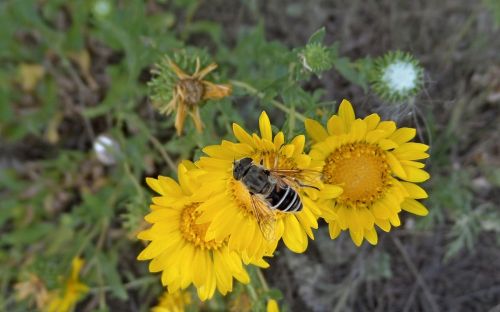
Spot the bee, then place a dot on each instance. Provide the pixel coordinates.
(271, 191)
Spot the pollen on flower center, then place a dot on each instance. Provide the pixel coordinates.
(191, 90)
(241, 196)
(195, 233)
(360, 169)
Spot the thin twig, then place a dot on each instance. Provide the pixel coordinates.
(166, 157)
(262, 279)
(251, 90)
(413, 269)
(130, 285)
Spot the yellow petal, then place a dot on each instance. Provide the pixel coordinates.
(241, 134)
(272, 306)
(294, 237)
(200, 263)
(384, 224)
(375, 135)
(358, 129)
(169, 186)
(223, 279)
(387, 126)
(165, 214)
(356, 236)
(386, 144)
(394, 219)
(403, 135)
(414, 191)
(335, 125)
(265, 127)
(371, 236)
(372, 121)
(155, 185)
(299, 141)
(346, 112)
(414, 207)
(330, 191)
(413, 147)
(279, 139)
(154, 248)
(186, 265)
(315, 130)
(416, 175)
(334, 229)
(395, 165)
(409, 155)
(412, 163)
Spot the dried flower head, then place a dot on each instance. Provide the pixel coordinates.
(173, 90)
(33, 287)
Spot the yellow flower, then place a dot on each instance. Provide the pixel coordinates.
(173, 302)
(64, 299)
(272, 306)
(229, 206)
(190, 91)
(376, 166)
(178, 246)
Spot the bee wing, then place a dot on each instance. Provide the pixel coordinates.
(266, 218)
(296, 178)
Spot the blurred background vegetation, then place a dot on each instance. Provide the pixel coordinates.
(74, 70)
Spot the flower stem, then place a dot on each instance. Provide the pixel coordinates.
(253, 91)
(262, 279)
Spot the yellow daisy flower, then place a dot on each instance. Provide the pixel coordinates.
(376, 166)
(178, 246)
(173, 302)
(229, 206)
(190, 91)
(63, 300)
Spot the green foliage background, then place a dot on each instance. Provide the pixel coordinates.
(59, 201)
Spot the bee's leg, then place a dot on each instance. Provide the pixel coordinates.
(305, 185)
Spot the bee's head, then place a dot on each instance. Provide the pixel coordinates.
(240, 167)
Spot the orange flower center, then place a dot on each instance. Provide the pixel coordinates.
(195, 233)
(191, 91)
(361, 170)
(241, 196)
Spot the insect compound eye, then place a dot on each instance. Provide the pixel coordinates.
(240, 167)
(247, 161)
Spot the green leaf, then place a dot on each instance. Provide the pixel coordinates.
(318, 36)
(109, 267)
(347, 70)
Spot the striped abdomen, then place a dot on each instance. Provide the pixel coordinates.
(284, 199)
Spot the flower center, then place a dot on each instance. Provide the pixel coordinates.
(241, 196)
(362, 171)
(195, 233)
(191, 91)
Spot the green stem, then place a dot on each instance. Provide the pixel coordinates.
(253, 91)
(252, 292)
(130, 285)
(262, 279)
